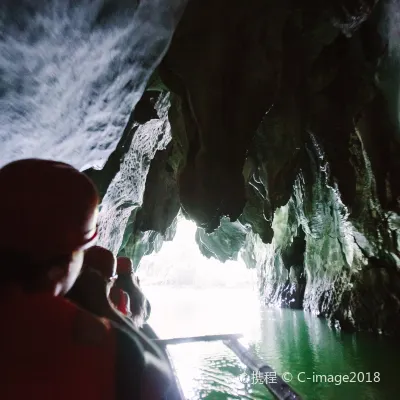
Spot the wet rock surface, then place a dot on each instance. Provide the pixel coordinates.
(274, 125)
(221, 105)
(225, 243)
(70, 74)
(316, 181)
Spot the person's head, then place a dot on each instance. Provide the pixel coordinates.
(124, 266)
(103, 262)
(93, 290)
(129, 283)
(48, 217)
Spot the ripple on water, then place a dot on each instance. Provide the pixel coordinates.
(212, 371)
(287, 340)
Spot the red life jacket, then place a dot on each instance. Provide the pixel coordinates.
(124, 303)
(120, 299)
(50, 349)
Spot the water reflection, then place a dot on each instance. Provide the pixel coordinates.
(301, 343)
(289, 341)
(192, 296)
(207, 370)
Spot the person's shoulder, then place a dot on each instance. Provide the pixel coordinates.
(87, 329)
(128, 344)
(130, 364)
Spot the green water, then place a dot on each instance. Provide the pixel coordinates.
(289, 341)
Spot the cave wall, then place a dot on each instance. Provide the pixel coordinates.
(70, 74)
(274, 125)
(122, 202)
(315, 178)
(345, 272)
(284, 149)
(225, 243)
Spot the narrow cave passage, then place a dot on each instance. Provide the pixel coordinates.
(274, 124)
(192, 295)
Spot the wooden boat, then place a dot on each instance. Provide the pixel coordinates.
(278, 388)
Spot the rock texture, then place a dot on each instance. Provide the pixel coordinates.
(70, 73)
(275, 126)
(126, 191)
(315, 186)
(221, 105)
(225, 243)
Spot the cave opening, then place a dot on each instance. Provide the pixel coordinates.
(275, 126)
(192, 294)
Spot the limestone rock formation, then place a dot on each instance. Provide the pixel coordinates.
(317, 180)
(221, 104)
(225, 243)
(126, 191)
(275, 126)
(70, 73)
